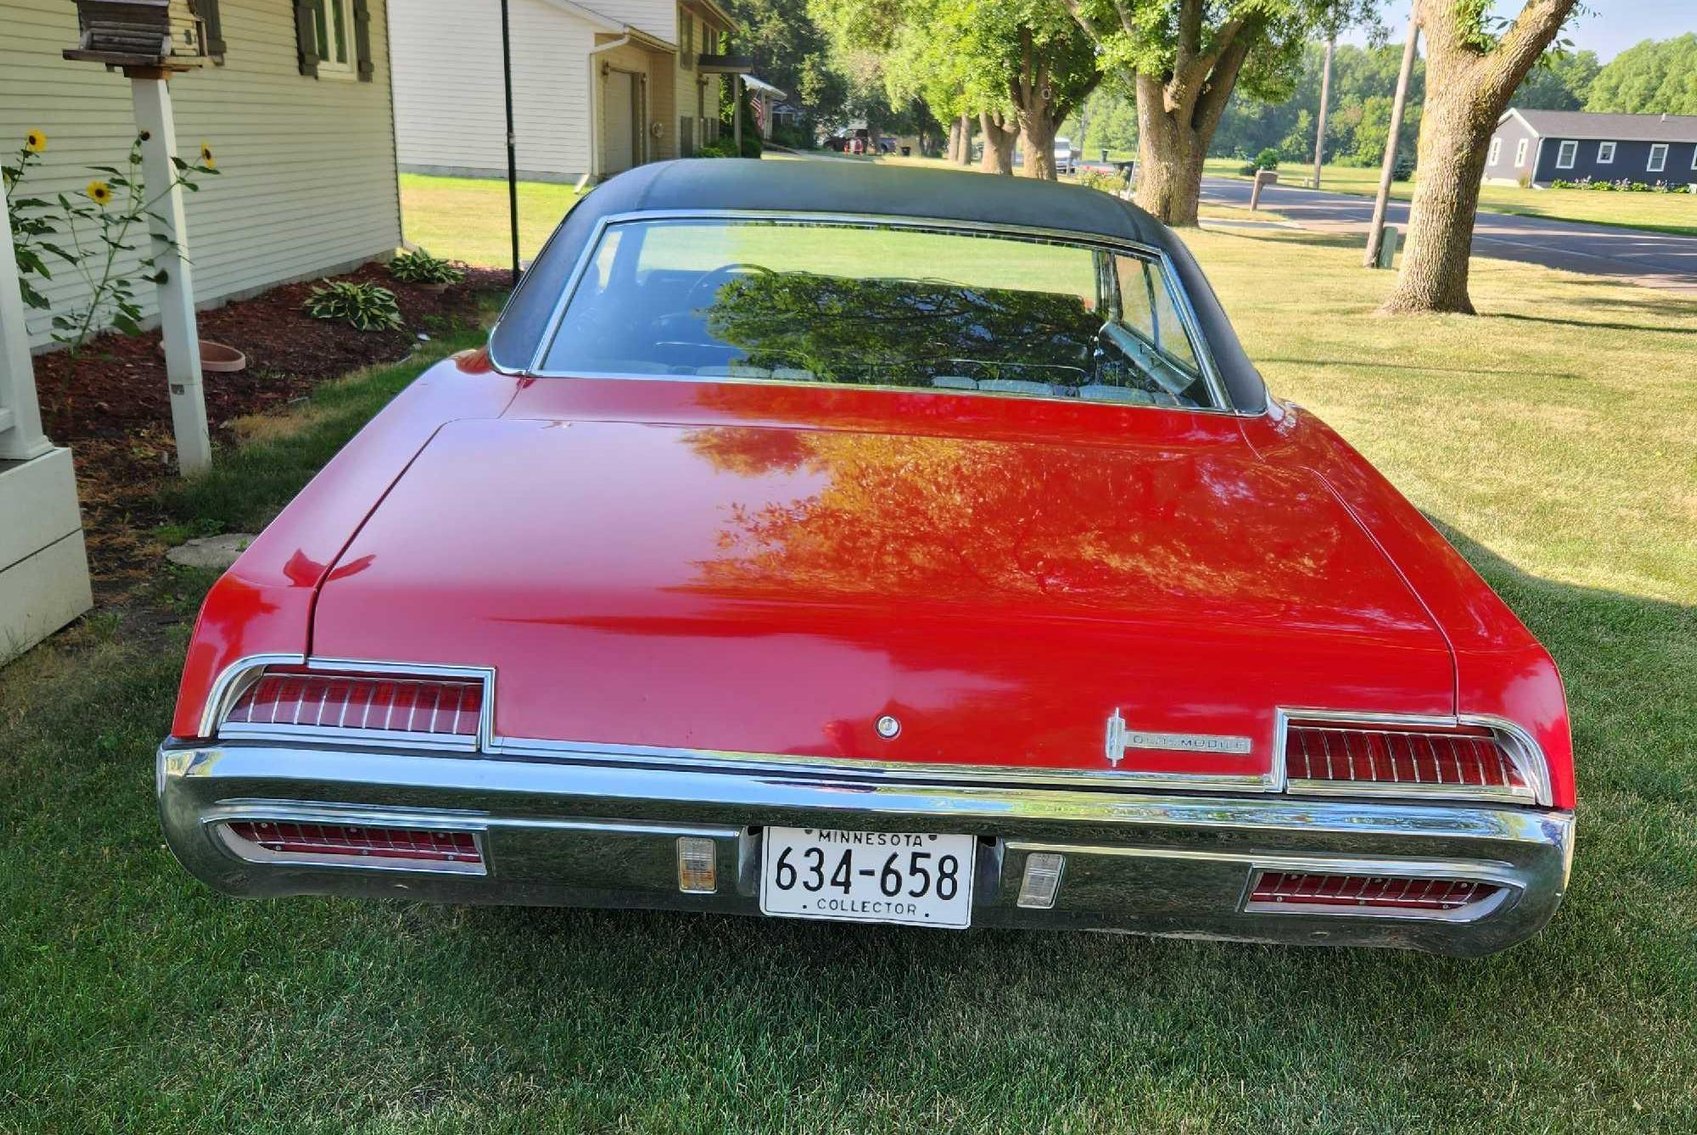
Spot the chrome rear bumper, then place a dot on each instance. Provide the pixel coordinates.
(588, 833)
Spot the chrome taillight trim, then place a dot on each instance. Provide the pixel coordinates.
(240, 676)
(1524, 751)
(1507, 888)
(218, 822)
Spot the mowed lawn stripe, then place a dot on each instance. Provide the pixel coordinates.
(1553, 447)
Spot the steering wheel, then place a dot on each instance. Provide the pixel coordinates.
(709, 282)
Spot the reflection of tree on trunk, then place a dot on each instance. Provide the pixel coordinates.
(969, 520)
(898, 332)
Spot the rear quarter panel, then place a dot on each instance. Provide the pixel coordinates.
(1501, 668)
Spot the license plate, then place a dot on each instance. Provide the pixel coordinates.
(916, 880)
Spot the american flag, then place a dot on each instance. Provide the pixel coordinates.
(757, 103)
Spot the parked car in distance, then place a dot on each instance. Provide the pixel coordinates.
(820, 540)
(1066, 158)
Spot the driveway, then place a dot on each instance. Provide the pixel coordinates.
(1657, 260)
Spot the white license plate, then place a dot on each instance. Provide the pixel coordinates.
(916, 880)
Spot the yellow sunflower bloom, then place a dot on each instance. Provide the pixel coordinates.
(99, 192)
(35, 141)
(206, 158)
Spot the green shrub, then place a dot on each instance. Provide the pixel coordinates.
(367, 307)
(1101, 179)
(1267, 159)
(718, 148)
(419, 267)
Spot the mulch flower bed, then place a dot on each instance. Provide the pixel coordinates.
(111, 404)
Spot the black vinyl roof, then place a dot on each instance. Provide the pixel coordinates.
(853, 187)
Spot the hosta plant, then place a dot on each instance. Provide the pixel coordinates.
(419, 267)
(367, 307)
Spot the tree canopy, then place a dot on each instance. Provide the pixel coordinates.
(1655, 77)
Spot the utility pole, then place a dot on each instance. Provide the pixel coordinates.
(1376, 234)
(1325, 100)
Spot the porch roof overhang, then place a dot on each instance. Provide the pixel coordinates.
(761, 85)
(724, 64)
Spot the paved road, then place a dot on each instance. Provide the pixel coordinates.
(1654, 259)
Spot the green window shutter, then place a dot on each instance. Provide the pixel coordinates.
(207, 10)
(306, 38)
(362, 39)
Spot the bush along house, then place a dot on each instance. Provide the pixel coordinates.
(1543, 147)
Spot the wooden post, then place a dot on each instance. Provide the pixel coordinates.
(152, 99)
(1376, 233)
(736, 111)
(1325, 100)
(21, 437)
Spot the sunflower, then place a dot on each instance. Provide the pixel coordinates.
(35, 141)
(206, 158)
(99, 192)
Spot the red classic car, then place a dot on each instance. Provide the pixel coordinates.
(824, 541)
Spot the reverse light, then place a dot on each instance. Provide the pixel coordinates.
(697, 861)
(1466, 762)
(313, 703)
(361, 845)
(1297, 891)
(1042, 880)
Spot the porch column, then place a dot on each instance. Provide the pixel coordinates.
(736, 111)
(20, 413)
(152, 98)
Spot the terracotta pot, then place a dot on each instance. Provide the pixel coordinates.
(217, 358)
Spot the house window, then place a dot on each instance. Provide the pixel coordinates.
(686, 39)
(1605, 153)
(1565, 156)
(1496, 152)
(333, 29)
(1520, 153)
(1658, 157)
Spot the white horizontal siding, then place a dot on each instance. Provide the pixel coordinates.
(308, 180)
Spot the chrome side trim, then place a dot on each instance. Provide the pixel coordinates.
(1187, 313)
(1523, 749)
(856, 768)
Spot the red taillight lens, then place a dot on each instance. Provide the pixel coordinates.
(1276, 890)
(342, 841)
(1461, 761)
(434, 707)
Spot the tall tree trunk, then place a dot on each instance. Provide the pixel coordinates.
(960, 141)
(1034, 111)
(1037, 139)
(999, 137)
(1467, 90)
(1169, 157)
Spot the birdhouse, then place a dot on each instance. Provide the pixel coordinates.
(165, 34)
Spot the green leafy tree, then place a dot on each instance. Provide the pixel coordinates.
(1184, 58)
(1655, 77)
(1560, 81)
(1021, 65)
(792, 52)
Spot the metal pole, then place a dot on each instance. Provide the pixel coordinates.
(1376, 233)
(1325, 100)
(152, 98)
(736, 111)
(512, 156)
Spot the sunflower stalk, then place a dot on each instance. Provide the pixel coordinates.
(112, 205)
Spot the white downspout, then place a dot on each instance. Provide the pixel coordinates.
(595, 108)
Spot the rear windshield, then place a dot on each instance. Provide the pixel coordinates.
(867, 305)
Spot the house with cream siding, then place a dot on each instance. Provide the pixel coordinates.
(598, 87)
(297, 113)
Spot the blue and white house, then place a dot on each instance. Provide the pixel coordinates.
(1536, 147)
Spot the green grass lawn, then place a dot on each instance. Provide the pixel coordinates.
(1659, 212)
(1552, 438)
(465, 218)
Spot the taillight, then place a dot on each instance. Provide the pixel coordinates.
(310, 703)
(1298, 891)
(316, 844)
(1463, 762)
